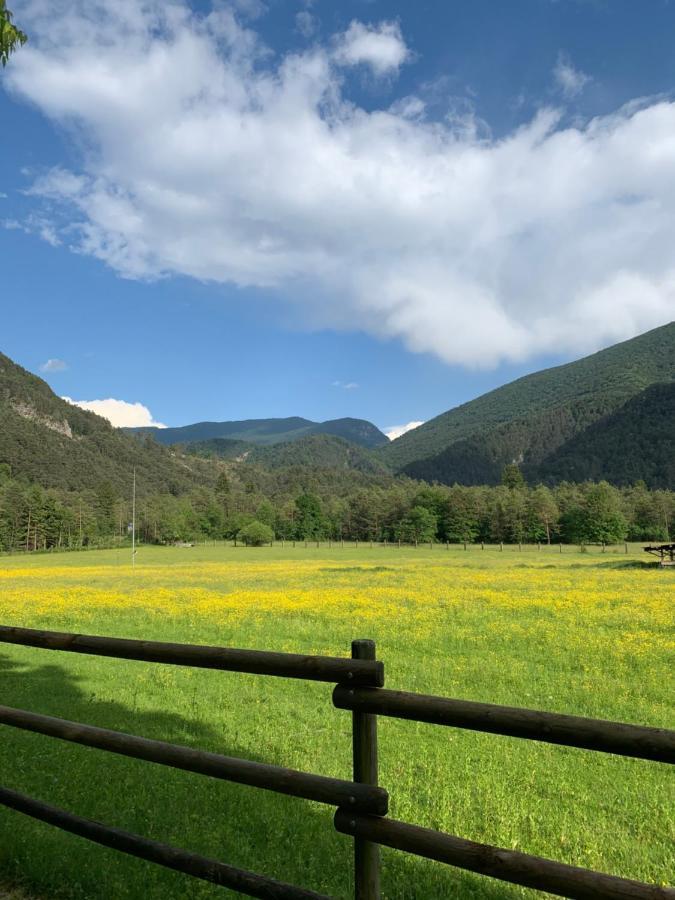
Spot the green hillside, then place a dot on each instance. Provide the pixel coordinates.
(222, 448)
(268, 431)
(358, 431)
(527, 420)
(319, 451)
(46, 440)
(635, 443)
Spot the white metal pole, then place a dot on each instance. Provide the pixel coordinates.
(133, 523)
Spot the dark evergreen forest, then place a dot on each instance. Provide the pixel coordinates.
(314, 504)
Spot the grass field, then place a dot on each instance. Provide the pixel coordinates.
(589, 634)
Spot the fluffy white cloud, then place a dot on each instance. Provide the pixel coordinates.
(54, 365)
(345, 385)
(207, 156)
(395, 431)
(571, 81)
(118, 412)
(381, 46)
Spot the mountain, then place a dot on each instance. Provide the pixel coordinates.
(637, 442)
(610, 415)
(268, 431)
(56, 444)
(527, 420)
(318, 451)
(222, 448)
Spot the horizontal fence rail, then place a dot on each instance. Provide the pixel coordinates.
(507, 865)
(253, 662)
(333, 791)
(657, 744)
(361, 804)
(170, 857)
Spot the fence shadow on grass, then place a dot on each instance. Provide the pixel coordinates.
(283, 837)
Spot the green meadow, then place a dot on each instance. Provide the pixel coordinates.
(581, 633)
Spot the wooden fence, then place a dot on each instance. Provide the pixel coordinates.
(361, 804)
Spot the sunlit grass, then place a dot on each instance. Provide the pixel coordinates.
(588, 634)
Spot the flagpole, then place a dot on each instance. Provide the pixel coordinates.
(133, 523)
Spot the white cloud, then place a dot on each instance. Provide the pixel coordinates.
(306, 23)
(345, 385)
(3, 195)
(410, 107)
(395, 431)
(118, 412)
(54, 365)
(209, 157)
(380, 46)
(34, 224)
(569, 80)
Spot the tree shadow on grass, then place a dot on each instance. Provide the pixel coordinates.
(646, 565)
(282, 837)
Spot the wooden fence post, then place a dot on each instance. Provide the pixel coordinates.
(364, 738)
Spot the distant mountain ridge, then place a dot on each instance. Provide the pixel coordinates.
(527, 420)
(608, 416)
(268, 431)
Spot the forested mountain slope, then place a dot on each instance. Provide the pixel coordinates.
(269, 431)
(635, 443)
(318, 451)
(527, 420)
(220, 448)
(46, 440)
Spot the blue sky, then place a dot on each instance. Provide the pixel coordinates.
(369, 209)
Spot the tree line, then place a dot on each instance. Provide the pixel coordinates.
(311, 505)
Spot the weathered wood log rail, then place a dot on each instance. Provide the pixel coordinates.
(361, 804)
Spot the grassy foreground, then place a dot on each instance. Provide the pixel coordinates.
(587, 634)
